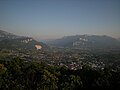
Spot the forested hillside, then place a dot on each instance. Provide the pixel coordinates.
(17, 74)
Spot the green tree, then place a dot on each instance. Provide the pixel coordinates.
(71, 82)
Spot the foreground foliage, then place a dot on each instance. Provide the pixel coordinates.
(17, 74)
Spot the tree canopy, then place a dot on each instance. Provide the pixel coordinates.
(17, 74)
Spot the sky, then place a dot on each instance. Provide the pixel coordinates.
(48, 19)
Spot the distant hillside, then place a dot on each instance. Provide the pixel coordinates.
(11, 41)
(87, 41)
(5, 35)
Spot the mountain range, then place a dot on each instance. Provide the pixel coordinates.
(87, 41)
(12, 41)
(9, 40)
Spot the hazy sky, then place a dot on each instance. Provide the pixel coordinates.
(56, 18)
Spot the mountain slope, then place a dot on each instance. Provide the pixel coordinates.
(11, 41)
(6, 35)
(87, 41)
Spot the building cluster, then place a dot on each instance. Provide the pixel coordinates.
(71, 59)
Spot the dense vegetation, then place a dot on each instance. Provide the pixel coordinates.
(17, 74)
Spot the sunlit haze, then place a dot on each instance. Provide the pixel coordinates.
(48, 19)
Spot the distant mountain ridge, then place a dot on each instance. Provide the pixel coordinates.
(6, 35)
(11, 41)
(87, 41)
